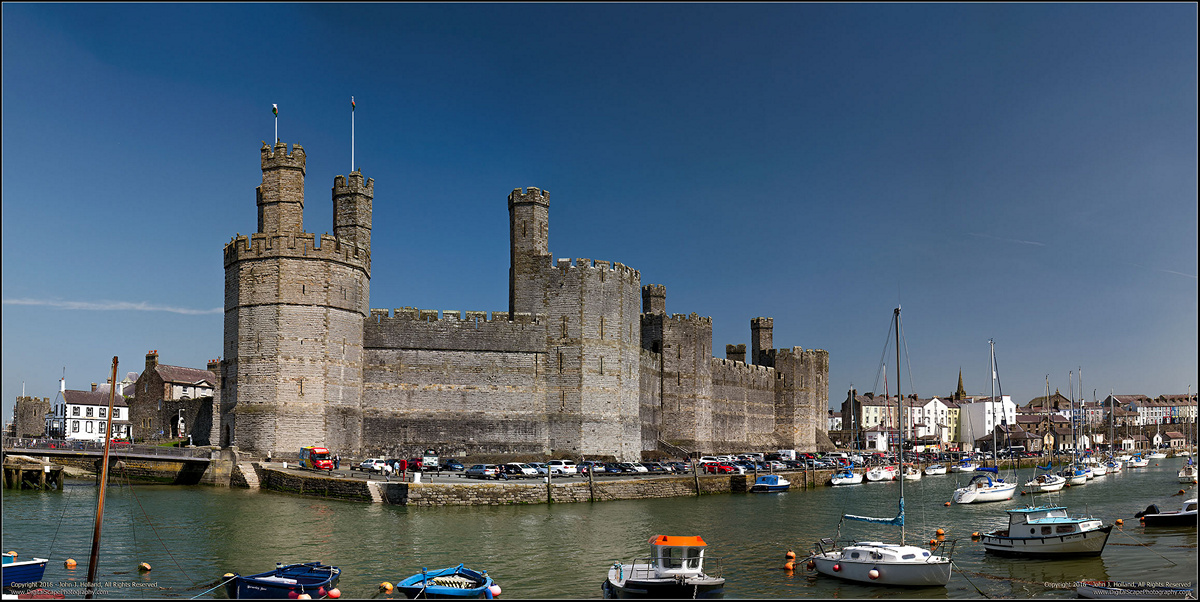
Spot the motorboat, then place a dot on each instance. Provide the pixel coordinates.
(453, 582)
(1046, 483)
(1098, 469)
(875, 562)
(1187, 474)
(1047, 531)
(882, 473)
(1184, 517)
(911, 473)
(1157, 455)
(675, 569)
(935, 469)
(1138, 461)
(1114, 465)
(285, 581)
(983, 488)
(846, 477)
(770, 483)
(21, 571)
(964, 466)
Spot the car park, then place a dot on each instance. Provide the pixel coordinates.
(483, 471)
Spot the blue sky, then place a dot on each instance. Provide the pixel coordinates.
(1022, 172)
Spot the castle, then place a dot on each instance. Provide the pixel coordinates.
(584, 362)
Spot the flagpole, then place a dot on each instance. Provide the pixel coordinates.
(351, 133)
(275, 110)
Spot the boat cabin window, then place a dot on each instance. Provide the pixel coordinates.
(678, 558)
(908, 556)
(854, 554)
(1046, 530)
(1190, 508)
(1065, 528)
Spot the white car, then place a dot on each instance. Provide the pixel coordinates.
(562, 467)
(372, 465)
(707, 459)
(634, 467)
(525, 469)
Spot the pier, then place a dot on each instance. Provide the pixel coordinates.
(27, 473)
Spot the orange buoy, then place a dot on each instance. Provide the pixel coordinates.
(143, 567)
(70, 563)
(335, 593)
(790, 554)
(495, 590)
(789, 565)
(933, 542)
(975, 535)
(1120, 522)
(947, 503)
(386, 587)
(1181, 492)
(941, 531)
(12, 553)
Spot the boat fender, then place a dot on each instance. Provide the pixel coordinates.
(293, 595)
(335, 593)
(321, 592)
(812, 565)
(837, 567)
(873, 574)
(304, 597)
(495, 589)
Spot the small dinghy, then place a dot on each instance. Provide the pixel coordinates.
(286, 581)
(453, 582)
(934, 469)
(1184, 517)
(770, 483)
(22, 571)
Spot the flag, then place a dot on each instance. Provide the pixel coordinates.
(351, 104)
(275, 110)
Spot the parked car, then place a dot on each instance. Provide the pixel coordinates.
(657, 467)
(483, 471)
(680, 467)
(633, 467)
(454, 465)
(370, 465)
(539, 466)
(595, 467)
(520, 470)
(562, 467)
(613, 468)
(716, 468)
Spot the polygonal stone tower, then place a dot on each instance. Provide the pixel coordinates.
(294, 311)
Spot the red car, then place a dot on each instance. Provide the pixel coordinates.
(718, 468)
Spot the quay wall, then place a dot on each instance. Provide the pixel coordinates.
(311, 484)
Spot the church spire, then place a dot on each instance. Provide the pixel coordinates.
(961, 392)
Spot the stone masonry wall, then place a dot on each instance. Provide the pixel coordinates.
(743, 406)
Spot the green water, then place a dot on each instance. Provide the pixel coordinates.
(193, 535)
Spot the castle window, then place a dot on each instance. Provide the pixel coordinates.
(602, 327)
(564, 326)
(560, 362)
(523, 234)
(602, 365)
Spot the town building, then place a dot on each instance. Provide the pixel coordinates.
(173, 402)
(83, 415)
(978, 418)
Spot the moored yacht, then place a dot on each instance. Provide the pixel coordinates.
(846, 476)
(1045, 483)
(935, 469)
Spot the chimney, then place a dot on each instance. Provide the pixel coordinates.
(93, 387)
(151, 360)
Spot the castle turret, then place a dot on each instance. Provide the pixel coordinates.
(761, 346)
(281, 194)
(352, 209)
(529, 236)
(654, 299)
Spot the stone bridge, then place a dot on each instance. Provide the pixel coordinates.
(146, 463)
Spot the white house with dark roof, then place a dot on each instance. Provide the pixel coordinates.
(83, 415)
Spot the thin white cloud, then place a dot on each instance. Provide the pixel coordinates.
(110, 306)
(1016, 240)
(1192, 276)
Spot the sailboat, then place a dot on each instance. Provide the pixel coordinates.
(1187, 474)
(983, 487)
(845, 475)
(881, 563)
(1046, 483)
(1075, 473)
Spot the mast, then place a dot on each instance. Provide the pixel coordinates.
(94, 561)
(995, 420)
(900, 400)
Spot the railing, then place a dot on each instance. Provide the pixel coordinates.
(675, 449)
(120, 447)
(644, 568)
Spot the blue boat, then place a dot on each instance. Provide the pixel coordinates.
(22, 571)
(453, 582)
(286, 581)
(770, 483)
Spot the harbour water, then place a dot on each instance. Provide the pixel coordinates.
(193, 535)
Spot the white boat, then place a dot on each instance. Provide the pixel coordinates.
(1098, 470)
(846, 477)
(1114, 465)
(770, 483)
(911, 473)
(882, 473)
(1125, 458)
(1138, 461)
(935, 469)
(1046, 483)
(964, 466)
(1087, 473)
(1157, 455)
(1187, 474)
(1075, 475)
(1047, 531)
(1185, 453)
(1184, 517)
(875, 562)
(675, 569)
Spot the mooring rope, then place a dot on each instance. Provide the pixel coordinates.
(1147, 547)
(964, 576)
(213, 588)
(151, 523)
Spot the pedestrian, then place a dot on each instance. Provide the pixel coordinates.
(387, 471)
(337, 461)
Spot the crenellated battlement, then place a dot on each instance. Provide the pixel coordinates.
(304, 245)
(800, 353)
(583, 264)
(412, 314)
(692, 317)
(734, 365)
(280, 158)
(520, 196)
(354, 185)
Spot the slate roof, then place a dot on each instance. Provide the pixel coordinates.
(1175, 435)
(184, 376)
(92, 398)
